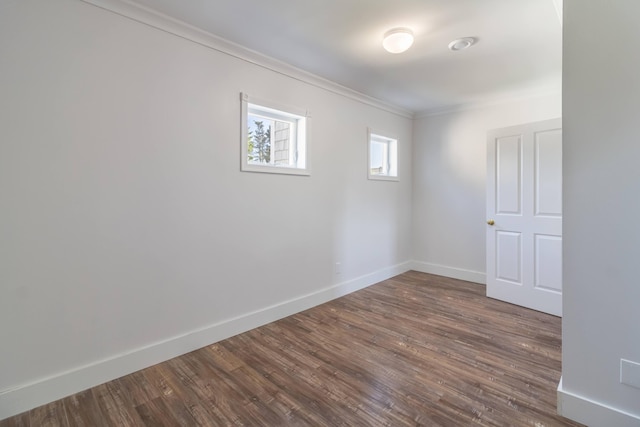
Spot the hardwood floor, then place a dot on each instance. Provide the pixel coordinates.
(414, 350)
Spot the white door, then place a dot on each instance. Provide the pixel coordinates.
(524, 215)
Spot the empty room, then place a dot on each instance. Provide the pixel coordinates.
(319, 213)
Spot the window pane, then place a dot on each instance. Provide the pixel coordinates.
(282, 148)
(271, 141)
(378, 158)
(259, 140)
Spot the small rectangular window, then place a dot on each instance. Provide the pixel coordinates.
(274, 138)
(383, 157)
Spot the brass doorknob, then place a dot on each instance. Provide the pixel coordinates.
(491, 222)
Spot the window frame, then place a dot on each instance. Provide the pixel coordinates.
(391, 154)
(298, 117)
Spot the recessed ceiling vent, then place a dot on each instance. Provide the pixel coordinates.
(461, 44)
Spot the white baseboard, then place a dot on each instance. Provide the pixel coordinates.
(45, 390)
(453, 272)
(592, 413)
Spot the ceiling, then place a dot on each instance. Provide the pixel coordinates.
(518, 51)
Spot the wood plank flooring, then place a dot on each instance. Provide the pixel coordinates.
(414, 350)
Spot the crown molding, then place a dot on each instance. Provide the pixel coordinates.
(162, 22)
(487, 103)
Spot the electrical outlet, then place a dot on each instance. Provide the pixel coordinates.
(338, 268)
(630, 373)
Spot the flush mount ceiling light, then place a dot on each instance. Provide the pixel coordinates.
(397, 40)
(461, 44)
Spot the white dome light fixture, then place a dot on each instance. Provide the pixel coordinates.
(461, 44)
(397, 40)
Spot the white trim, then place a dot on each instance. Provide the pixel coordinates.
(453, 272)
(559, 5)
(27, 396)
(181, 29)
(590, 412)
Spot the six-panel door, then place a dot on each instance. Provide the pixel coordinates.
(524, 215)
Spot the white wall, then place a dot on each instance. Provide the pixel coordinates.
(449, 164)
(128, 233)
(601, 322)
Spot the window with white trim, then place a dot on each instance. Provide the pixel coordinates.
(274, 138)
(383, 157)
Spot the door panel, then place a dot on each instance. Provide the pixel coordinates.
(509, 163)
(548, 262)
(509, 256)
(548, 173)
(524, 215)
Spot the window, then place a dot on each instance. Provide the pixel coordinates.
(274, 138)
(383, 157)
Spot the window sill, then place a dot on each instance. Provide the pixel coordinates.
(275, 169)
(384, 178)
